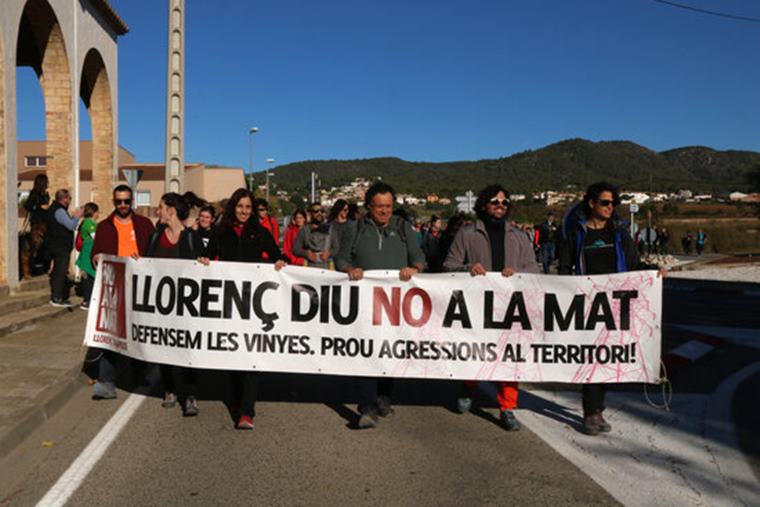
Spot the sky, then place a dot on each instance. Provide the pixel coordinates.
(432, 80)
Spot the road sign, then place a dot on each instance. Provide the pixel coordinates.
(466, 202)
(633, 208)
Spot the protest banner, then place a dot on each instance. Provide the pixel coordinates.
(234, 316)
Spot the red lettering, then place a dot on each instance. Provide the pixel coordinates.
(380, 303)
(426, 307)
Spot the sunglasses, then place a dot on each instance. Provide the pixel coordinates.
(496, 202)
(606, 202)
(261, 209)
(122, 201)
(317, 211)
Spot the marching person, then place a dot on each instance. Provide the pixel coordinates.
(240, 237)
(87, 234)
(266, 220)
(204, 224)
(492, 244)
(339, 220)
(380, 240)
(316, 241)
(172, 240)
(298, 220)
(547, 241)
(125, 234)
(59, 239)
(36, 206)
(431, 239)
(595, 241)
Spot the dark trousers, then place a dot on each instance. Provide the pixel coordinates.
(88, 282)
(593, 398)
(107, 367)
(547, 256)
(59, 277)
(245, 389)
(187, 380)
(370, 388)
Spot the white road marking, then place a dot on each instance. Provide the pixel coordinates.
(68, 483)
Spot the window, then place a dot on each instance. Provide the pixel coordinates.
(142, 198)
(35, 161)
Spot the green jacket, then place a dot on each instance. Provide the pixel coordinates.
(373, 247)
(87, 229)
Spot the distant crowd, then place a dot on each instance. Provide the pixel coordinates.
(592, 239)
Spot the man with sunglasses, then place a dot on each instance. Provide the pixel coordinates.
(492, 244)
(316, 241)
(596, 241)
(126, 234)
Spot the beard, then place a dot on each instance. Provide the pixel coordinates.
(122, 213)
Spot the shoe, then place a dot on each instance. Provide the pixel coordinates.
(464, 405)
(604, 426)
(103, 391)
(170, 399)
(245, 423)
(191, 407)
(509, 421)
(590, 425)
(384, 408)
(61, 303)
(85, 305)
(368, 419)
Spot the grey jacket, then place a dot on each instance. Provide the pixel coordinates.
(472, 245)
(316, 241)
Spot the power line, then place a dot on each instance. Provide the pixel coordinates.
(711, 13)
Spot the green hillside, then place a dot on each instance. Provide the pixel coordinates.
(574, 162)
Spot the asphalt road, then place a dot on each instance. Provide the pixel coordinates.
(303, 451)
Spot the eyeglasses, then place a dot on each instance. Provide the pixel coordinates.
(606, 202)
(317, 211)
(122, 201)
(496, 202)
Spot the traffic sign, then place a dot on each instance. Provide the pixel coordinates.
(633, 208)
(466, 202)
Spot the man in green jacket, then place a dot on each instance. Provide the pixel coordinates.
(380, 240)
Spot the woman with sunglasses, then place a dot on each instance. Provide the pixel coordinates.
(172, 240)
(492, 245)
(241, 238)
(596, 241)
(338, 218)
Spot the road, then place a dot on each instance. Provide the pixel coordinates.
(305, 450)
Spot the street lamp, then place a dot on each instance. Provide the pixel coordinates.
(268, 174)
(251, 131)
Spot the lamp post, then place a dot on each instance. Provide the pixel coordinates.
(268, 174)
(249, 179)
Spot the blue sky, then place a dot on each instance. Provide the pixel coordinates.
(433, 80)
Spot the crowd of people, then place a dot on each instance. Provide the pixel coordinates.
(591, 240)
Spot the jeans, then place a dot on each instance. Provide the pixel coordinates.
(245, 387)
(59, 277)
(187, 380)
(88, 282)
(547, 256)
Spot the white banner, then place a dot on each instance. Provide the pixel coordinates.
(233, 316)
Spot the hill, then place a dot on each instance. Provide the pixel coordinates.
(566, 164)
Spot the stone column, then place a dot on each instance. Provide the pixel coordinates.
(175, 99)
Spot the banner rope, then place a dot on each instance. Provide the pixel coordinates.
(667, 390)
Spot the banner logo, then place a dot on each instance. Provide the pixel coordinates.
(111, 307)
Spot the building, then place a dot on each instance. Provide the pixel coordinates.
(212, 183)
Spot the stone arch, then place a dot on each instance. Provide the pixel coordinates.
(95, 91)
(41, 46)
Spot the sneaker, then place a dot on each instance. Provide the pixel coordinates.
(170, 399)
(590, 425)
(509, 421)
(604, 426)
(191, 407)
(85, 305)
(384, 408)
(245, 423)
(464, 405)
(103, 391)
(61, 303)
(368, 419)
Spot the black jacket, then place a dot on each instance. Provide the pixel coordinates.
(190, 246)
(57, 236)
(225, 245)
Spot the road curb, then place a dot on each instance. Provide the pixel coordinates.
(46, 405)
